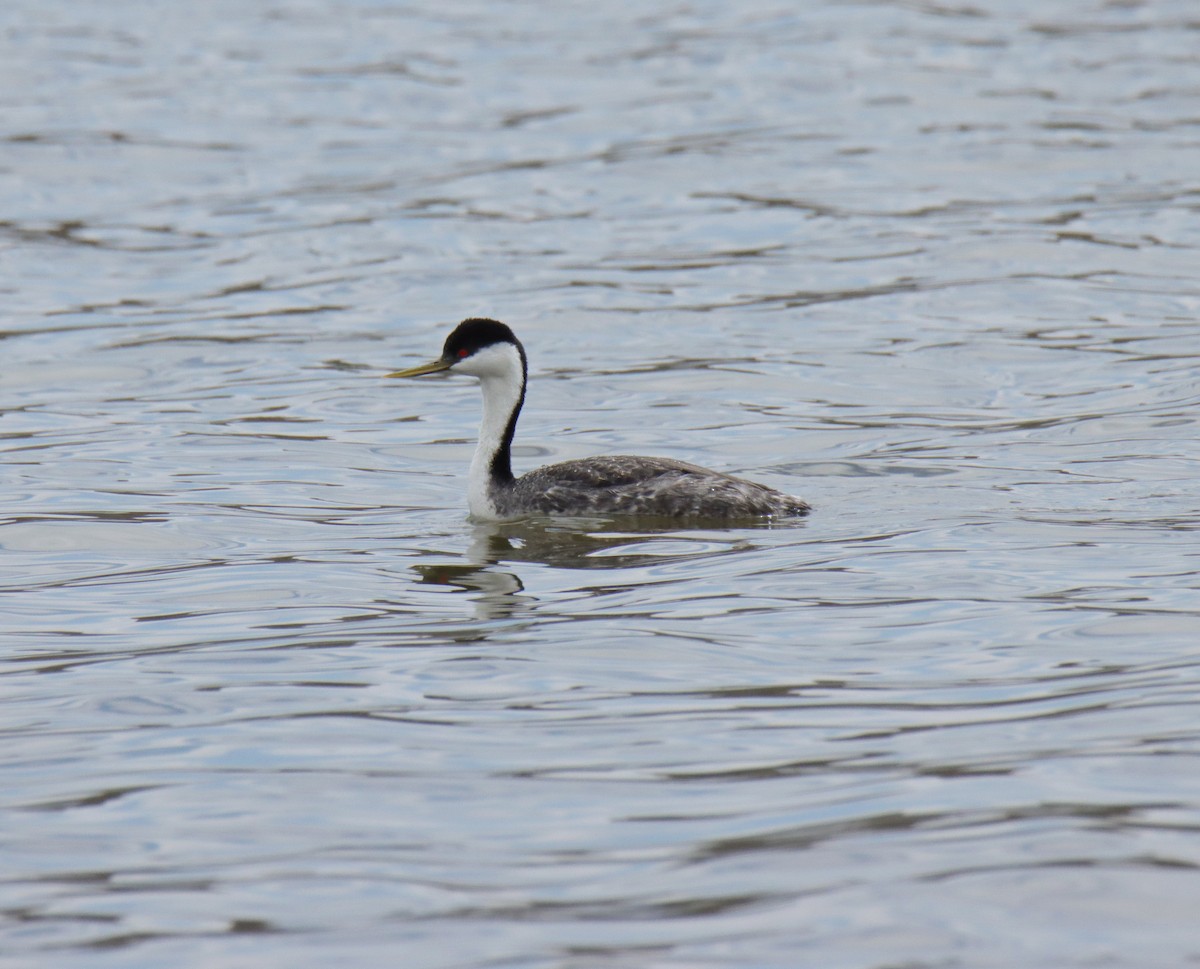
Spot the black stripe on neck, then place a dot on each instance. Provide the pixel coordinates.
(501, 469)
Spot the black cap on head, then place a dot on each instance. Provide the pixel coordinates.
(473, 335)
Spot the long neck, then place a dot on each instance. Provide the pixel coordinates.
(503, 395)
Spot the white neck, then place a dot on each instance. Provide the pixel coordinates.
(502, 380)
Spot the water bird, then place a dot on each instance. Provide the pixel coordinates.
(606, 485)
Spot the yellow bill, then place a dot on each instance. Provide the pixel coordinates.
(433, 366)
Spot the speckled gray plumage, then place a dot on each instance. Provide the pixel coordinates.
(610, 485)
(630, 485)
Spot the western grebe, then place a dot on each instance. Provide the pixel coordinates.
(619, 484)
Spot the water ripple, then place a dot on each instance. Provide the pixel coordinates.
(272, 700)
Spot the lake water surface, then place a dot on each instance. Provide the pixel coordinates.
(270, 700)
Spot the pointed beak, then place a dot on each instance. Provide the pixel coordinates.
(433, 366)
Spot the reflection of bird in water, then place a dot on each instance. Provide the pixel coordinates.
(576, 544)
(490, 569)
(620, 484)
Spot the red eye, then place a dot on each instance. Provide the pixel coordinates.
(463, 353)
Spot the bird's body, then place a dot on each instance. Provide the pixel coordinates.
(654, 487)
(607, 485)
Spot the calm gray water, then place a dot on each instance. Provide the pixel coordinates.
(269, 700)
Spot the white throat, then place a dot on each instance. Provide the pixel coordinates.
(501, 378)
